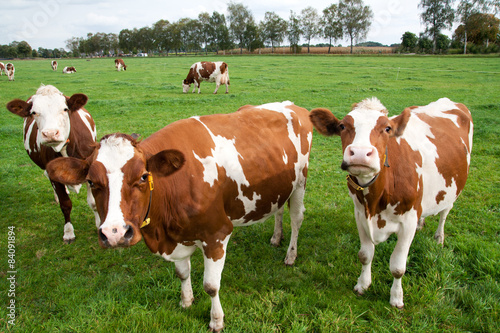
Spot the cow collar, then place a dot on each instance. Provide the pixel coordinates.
(358, 187)
(147, 220)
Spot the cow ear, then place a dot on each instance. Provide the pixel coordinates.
(68, 170)
(19, 107)
(166, 162)
(77, 101)
(325, 122)
(399, 122)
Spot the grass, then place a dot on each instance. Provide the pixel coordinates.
(82, 288)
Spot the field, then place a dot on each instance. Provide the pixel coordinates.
(83, 288)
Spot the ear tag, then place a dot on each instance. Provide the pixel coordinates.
(145, 222)
(150, 180)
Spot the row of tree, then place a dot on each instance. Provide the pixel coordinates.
(349, 19)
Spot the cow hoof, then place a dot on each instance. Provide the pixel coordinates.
(68, 240)
(360, 291)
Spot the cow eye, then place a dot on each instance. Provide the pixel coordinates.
(144, 177)
(33, 113)
(66, 109)
(342, 127)
(388, 129)
(91, 183)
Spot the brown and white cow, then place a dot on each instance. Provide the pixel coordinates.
(10, 71)
(53, 63)
(239, 169)
(69, 70)
(401, 169)
(2, 68)
(119, 64)
(207, 71)
(54, 126)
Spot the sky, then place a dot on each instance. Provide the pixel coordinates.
(49, 23)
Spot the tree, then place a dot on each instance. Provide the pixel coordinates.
(251, 37)
(161, 36)
(294, 31)
(482, 28)
(467, 8)
(355, 19)
(72, 45)
(331, 25)
(424, 43)
(219, 33)
(23, 49)
(409, 41)
(240, 19)
(273, 29)
(437, 15)
(309, 21)
(206, 29)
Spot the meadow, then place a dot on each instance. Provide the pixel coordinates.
(83, 288)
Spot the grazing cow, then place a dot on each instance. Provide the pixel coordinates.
(54, 65)
(69, 70)
(239, 169)
(207, 71)
(54, 126)
(401, 169)
(2, 68)
(119, 64)
(10, 71)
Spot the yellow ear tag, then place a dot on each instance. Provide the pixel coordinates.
(150, 180)
(145, 222)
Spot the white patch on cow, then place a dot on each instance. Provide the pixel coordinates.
(114, 153)
(27, 135)
(226, 156)
(285, 157)
(84, 117)
(435, 109)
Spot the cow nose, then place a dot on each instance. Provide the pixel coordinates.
(116, 235)
(50, 134)
(360, 155)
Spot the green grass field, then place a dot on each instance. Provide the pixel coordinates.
(83, 288)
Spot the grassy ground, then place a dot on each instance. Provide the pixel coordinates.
(82, 288)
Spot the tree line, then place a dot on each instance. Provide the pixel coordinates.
(348, 19)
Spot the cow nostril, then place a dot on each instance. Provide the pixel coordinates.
(130, 232)
(369, 153)
(102, 236)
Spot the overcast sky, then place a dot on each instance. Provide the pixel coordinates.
(49, 23)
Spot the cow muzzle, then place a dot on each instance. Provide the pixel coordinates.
(361, 160)
(51, 137)
(118, 236)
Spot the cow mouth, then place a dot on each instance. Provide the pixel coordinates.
(356, 169)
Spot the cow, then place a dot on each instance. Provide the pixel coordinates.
(54, 126)
(69, 70)
(54, 65)
(207, 71)
(10, 71)
(400, 170)
(183, 191)
(119, 64)
(2, 68)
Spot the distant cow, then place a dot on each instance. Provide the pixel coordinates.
(54, 65)
(401, 169)
(10, 71)
(54, 126)
(207, 71)
(119, 64)
(239, 169)
(2, 68)
(69, 70)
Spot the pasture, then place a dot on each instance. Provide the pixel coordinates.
(83, 288)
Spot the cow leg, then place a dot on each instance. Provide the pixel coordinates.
(217, 85)
(211, 284)
(439, 235)
(398, 261)
(297, 210)
(278, 227)
(183, 271)
(66, 206)
(92, 205)
(365, 255)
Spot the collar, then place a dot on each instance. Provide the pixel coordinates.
(147, 220)
(358, 187)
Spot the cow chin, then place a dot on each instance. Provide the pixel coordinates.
(359, 170)
(56, 145)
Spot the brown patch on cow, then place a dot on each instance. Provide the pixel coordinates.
(398, 273)
(207, 68)
(381, 222)
(440, 196)
(210, 290)
(363, 258)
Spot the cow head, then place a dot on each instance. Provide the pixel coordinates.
(51, 111)
(185, 86)
(364, 132)
(120, 176)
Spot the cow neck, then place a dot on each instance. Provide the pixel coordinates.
(358, 187)
(147, 219)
